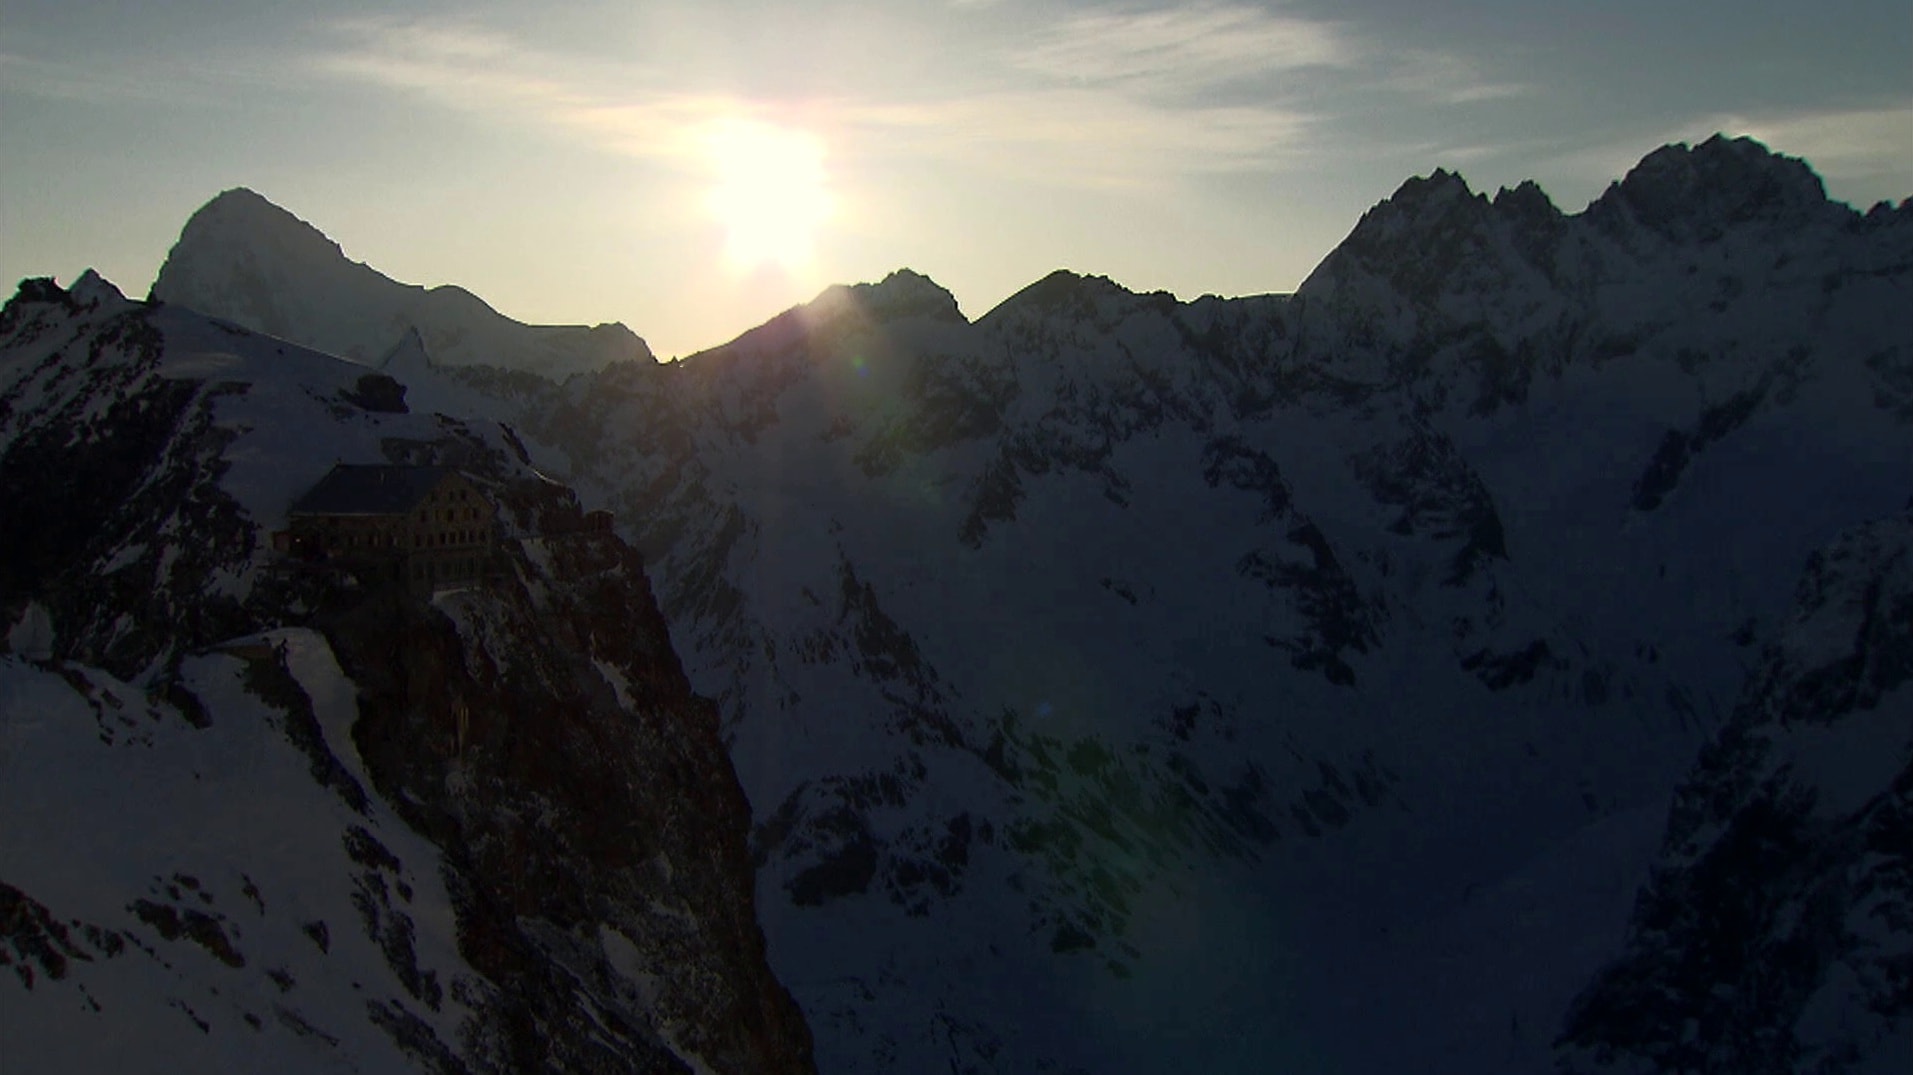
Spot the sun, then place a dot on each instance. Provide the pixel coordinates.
(770, 193)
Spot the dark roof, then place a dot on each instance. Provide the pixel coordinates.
(370, 490)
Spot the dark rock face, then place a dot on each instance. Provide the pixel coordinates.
(621, 791)
(538, 731)
(119, 449)
(1772, 936)
(1685, 194)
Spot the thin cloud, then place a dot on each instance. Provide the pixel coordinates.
(1446, 78)
(1139, 99)
(480, 71)
(1087, 139)
(1842, 144)
(1059, 134)
(1183, 49)
(121, 82)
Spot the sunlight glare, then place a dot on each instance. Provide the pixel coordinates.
(770, 192)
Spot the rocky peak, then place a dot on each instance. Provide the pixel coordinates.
(902, 294)
(906, 293)
(92, 289)
(1697, 193)
(1527, 203)
(1064, 292)
(1438, 200)
(1437, 188)
(245, 260)
(242, 217)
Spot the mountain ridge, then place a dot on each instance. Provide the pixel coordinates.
(1239, 666)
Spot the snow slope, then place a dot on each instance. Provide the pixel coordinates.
(266, 814)
(1293, 682)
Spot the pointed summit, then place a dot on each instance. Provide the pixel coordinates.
(1418, 240)
(92, 289)
(1438, 188)
(245, 260)
(242, 210)
(1527, 202)
(1440, 199)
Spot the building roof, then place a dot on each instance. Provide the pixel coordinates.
(350, 489)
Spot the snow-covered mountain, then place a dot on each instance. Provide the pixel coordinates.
(1305, 682)
(1128, 684)
(244, 259)
(262, 815)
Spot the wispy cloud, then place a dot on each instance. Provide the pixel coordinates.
(120, 82)
(1183, 49)
(1060, 133)
(1139, 99)
(1445, 78)
(477, 70)
(1088, 139)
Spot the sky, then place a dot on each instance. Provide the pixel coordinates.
(694, 168)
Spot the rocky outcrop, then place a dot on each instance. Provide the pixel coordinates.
(1776, 931)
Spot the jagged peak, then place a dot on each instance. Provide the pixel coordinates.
(91, 290)
(908, 292)
(1677, 189)
(1438, 187)
(902, 293)
(1396, 235)
(40, 289)
(1421, 203)
(33, 291)
(1526, 201)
